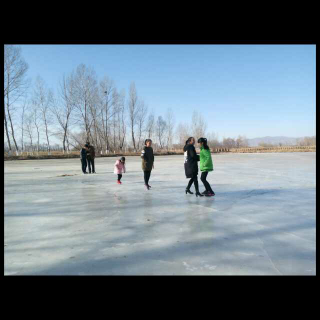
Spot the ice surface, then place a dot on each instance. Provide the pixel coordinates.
(261, 221)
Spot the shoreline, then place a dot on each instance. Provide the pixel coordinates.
(168, 153)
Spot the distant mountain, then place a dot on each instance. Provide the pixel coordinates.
(272, 140)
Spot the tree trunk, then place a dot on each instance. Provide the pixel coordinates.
(68, 144)
(6, 127)
(12, 130)
(48, 143)
(107, 137)
(64, 141)
(133, 140)
(65, 134)
(114, 136)
(38, 140)
(31, 143)
(22, 131)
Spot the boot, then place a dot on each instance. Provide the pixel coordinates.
(196, 185)
(188, 191)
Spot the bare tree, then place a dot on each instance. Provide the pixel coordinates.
(141, 117)
(307, 141)
(15, 85)
(121, 120)
(133, 112)
(170, 120)
(115, 118)
(106, 94)
(183, 132)
(199, 126)
(150, 125)
(94, 123)
(160, 130)
(29, 127)
(77, 139)
(36, 118)
(241, 142)
(43, 101)
(64, 109)
(84, 94)
(229, 143)
(25, 107)
(213, 140)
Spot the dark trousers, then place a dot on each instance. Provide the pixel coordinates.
(205, 182)
(194, 180)
(119, 177)
(91, 162)
(147, 177)
(84, 165)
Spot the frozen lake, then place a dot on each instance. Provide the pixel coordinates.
(261, 221)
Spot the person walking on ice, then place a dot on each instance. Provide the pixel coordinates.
(83, 158)
(147, 161)
(119, 168)
(191, 165)
(206, 166)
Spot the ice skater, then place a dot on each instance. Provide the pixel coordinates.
(119, 168)
(83, 158)
(191, 165)
(147, 161)
(206, 166)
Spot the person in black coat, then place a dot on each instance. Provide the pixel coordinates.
(147, 161)
(191, 166)
(90, 157)
(83, 158)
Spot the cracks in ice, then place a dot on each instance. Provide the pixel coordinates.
(254, 192)
(192, 269)
(262, 247)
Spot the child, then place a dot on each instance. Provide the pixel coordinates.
(205, 165)
(120, 167)
(147, 162)
(83, 158)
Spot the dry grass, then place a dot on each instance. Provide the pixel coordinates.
(76, 154)
(274, 149)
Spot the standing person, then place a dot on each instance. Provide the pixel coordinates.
(90, 157)
(147, 161)
(83, 158)
(119, 168)
(191, 165)
(206, 165)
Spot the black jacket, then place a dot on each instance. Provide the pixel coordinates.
(91, 154)
(190, 161)
(147, 158)
(83, 154)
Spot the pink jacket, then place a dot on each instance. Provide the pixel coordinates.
(119, 167)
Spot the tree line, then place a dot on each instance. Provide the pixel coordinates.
(86, 108)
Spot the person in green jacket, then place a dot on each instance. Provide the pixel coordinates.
(205, 166)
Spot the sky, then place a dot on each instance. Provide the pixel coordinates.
(251, 90)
